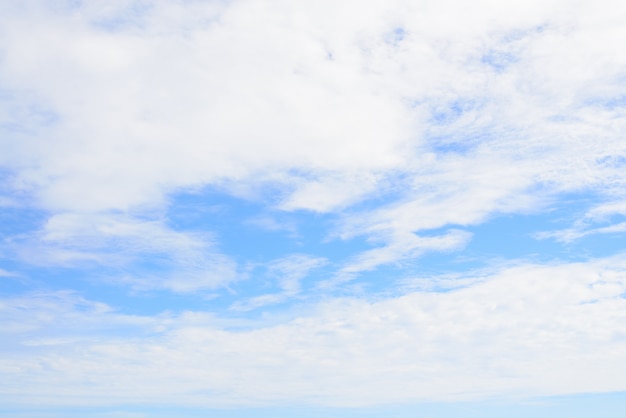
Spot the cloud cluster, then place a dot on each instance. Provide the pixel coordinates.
(523, 330)
(402, 123)
(459, 112)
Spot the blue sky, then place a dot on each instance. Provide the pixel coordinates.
(312, 209)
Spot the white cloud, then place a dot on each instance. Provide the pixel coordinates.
(186, 261)
(407, 121)
(476, 107)
(157, 108)
(330, 193)
(398, 247)
(288, 272)
(523, 330)
(602, 218)
(5, 273)
(272, 224)
(140, 114)
(572, 234)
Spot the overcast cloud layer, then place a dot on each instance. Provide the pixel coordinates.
(336, 203)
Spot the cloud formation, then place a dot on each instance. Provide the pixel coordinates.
(523, 330)
(138, 100)
(321, 144)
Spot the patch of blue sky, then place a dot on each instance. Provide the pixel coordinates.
(508, 50)
(129, 16)
(458, 144)
(446, 136)
(498, 60)
(445, 115)
(240, 229)
(153, 302)
(616, 102)
(397, 36)
(451, 112)
(92, 280)
(606, 405)
(66, 5)
(452, 147)
(612, 161)
(385, 280)
(251, 232)
(25, 115)
(511, 238)
(499, 241)
(16, 220)
(246, 231)
(13, 281)
(26, 277)
(483, 251)
(502, 239)
(515, 237)
(106, 285)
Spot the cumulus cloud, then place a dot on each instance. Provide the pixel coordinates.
(138, 100)
(140, 114)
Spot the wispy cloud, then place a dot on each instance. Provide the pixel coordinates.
(517, 331)
(603, 218)
(288, 272)
(370, 134)
(183, 262)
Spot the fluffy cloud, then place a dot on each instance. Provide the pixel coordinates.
(114, 107)
(164, 99)
(399, 123)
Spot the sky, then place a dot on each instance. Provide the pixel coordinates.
(316, 209)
